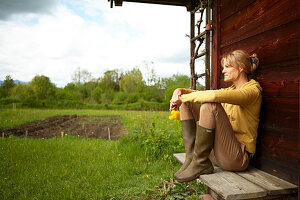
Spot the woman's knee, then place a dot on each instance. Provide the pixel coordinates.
(209, 107)
(189, 110)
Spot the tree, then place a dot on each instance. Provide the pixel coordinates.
(131, 81)
(19, 91)
(177, 81)
(110, 80)
(149, 73)
(81, 76)
(6, 87)
(97, 94)
(42, 87)
(71, 92)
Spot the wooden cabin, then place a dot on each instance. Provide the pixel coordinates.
(271, 29)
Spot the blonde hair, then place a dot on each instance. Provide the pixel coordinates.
(240, 58)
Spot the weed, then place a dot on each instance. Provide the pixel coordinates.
(174, 190)
(158, 140)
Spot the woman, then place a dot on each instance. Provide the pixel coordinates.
(223, 130)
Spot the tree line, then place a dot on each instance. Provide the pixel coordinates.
(113, 90)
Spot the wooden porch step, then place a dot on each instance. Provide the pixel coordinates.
(249, 184)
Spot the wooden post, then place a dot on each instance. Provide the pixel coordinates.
(85, 130)
(192, 52)
(207, 49)
(108, 133)
(215, 69)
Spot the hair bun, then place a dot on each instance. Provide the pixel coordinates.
(254, 62)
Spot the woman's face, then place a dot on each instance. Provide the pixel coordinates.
(231, 73)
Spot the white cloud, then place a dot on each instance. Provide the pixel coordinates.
(96, 38)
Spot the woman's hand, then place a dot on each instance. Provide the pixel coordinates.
(175, 101)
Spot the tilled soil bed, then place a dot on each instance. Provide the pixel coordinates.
(105, 127)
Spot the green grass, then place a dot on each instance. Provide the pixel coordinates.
(63, 168)
(134, 167)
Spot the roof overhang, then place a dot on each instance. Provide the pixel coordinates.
(189, 4)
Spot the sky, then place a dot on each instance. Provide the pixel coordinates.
(56, 37)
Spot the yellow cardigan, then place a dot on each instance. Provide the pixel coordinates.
(242, 107)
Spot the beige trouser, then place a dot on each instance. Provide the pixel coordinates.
(228, 153)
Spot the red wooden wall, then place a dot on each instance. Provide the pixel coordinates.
(271, 29)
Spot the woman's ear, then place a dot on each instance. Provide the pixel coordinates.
(241, 69)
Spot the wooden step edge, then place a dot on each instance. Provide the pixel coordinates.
(273, 184)
(180, 157)
(230, 186)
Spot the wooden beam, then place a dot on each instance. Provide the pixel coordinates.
(215, 65)
(207, 49)
(200, 55)
(118, 2)
(198, 36)
(190, 5)
(192, 51)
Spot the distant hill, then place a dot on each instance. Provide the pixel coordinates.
(15, 81)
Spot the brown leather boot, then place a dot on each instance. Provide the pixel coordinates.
(188, 134)
(200, 163)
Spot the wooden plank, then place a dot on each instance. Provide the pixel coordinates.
(231, 186)
(230, 7)
(277, 138)
(164, 2)
(280, 79)
(280, 113)
(265, 14)
(280, 146)
(216, 59)
(276, 45)
(282, 154)
(277, 167)
(180, 157)
(277, 87)
(277, 82)
(190, 5)
(272, 184)
(215, 196)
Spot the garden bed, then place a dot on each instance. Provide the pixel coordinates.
(105, 127)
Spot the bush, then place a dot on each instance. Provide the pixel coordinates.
(120, 98)
(9, 100)
(30, 101)
(132, 98)
(159, 142)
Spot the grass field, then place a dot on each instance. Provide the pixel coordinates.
(138, 166)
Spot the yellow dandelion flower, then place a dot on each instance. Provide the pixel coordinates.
(175, 114)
